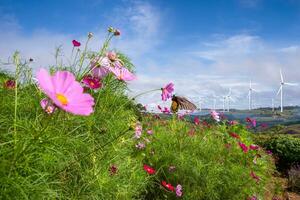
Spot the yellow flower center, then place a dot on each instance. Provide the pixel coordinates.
(92, 83)
(62, 99)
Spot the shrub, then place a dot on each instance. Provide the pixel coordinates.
(285, 147)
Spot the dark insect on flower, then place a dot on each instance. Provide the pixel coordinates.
(181, 103)
(10, 84)
(113, 170)
(30, 59)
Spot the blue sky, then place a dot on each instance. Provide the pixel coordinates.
(202, 46)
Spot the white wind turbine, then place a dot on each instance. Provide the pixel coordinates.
(273, 105)
(282, 83)
(250, 96)
(224, 102)
(228, 97)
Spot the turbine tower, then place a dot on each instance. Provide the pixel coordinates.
(250, 106)
(273, 105)
(282, 83)
(224, 102)
(228, 99)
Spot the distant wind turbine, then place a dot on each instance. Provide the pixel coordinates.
(273, 105)
(282, 83)
(224, 102)
(250, 104)
(228, 97)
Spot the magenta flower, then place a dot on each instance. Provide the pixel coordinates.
(113, 169)
(254, 147)
(117, 32)
(10, 84)
(167, 91)
(150, 132)
(166, 110)
(76, 43)
(234, 135)
(252, 122)
(215, 115)
(91, 82)
(47, 106)
(122, 74)
(178, 190)
(243, 147)
(196, 121)
(65, 92)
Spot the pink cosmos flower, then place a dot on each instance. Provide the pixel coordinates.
(47, 106)
(178, 190)
(91, 82)
(150, 132)
(65, 92)
(100, 66)
(196, 121)
(122, 74)
(167, 91)
(254, 147)
(140, 145)
(232, 123)
(166, 110)
(243, 147)
(112, 55)
(138, 130)
(215, 115)
(76, 43)
(254, 176)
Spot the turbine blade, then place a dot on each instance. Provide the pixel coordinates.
(281, 76)
(293, 84)
(279, 90)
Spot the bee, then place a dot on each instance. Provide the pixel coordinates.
(181, 103)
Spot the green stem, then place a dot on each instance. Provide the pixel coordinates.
(17, 63)
(83, 55)
(149, 91)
